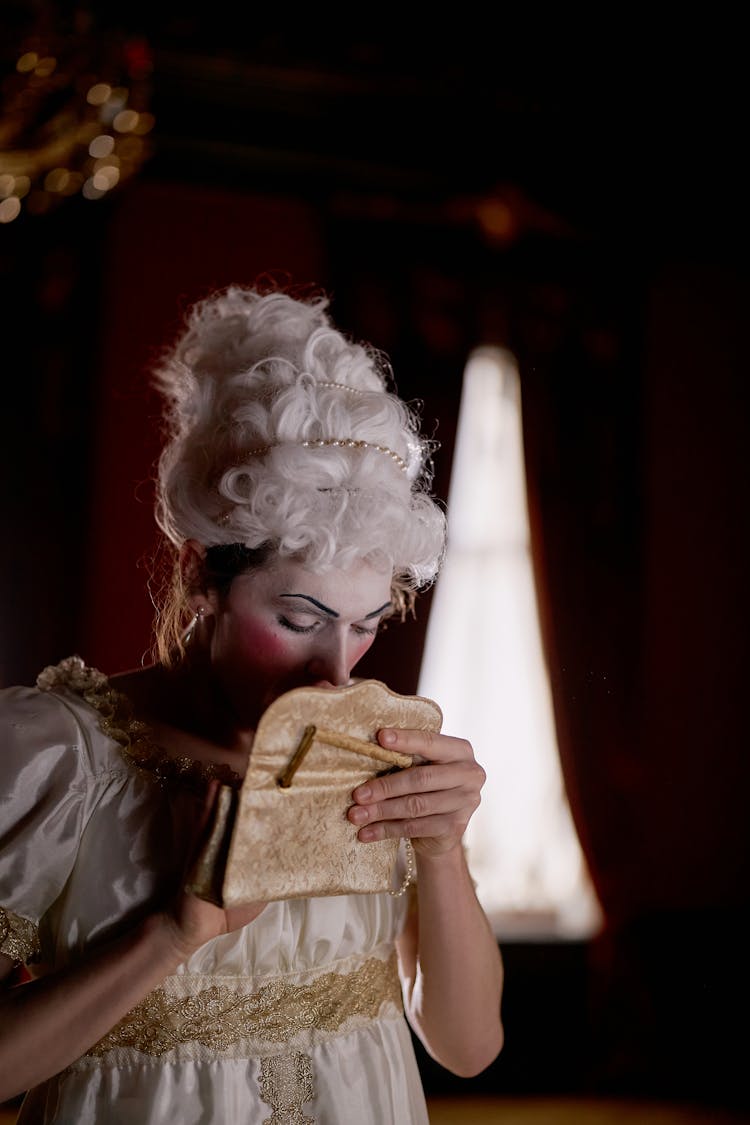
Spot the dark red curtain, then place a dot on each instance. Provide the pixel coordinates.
(636, 440)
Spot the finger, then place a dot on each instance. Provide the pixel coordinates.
(431, 778)
(414, 807)
(429, 826)
(425, 743)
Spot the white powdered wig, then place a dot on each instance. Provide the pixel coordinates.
(253, 377)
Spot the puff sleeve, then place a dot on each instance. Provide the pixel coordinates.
(45, 776)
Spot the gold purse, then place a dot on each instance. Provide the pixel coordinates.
(286, 833)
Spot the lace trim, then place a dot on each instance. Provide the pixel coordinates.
(219, 1017)
(19, 937)
(117, 721)
(285, 1084)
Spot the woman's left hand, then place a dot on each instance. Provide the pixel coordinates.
(431, 802)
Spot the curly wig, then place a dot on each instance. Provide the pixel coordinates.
(261, 388)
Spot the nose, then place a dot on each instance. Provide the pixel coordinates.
(330, 662)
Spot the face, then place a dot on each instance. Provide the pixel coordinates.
(284, 626)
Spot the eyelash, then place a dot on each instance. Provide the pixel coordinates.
(296, 628)
(287, 624)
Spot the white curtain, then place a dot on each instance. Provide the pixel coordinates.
(484, 664)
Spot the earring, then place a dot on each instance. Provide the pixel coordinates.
(198, 618)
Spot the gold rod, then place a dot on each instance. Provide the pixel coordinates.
(359, 746)
(285, 779)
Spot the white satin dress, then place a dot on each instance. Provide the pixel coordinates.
(295, 1019)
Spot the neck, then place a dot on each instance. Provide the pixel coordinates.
(188, 700)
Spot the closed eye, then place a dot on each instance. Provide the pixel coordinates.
(365, 631)
(360, 630)
(287, 624)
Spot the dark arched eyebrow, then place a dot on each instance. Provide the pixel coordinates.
(332, 612)
(315, 602)
(375, 612)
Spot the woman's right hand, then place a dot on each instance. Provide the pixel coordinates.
(192, 921)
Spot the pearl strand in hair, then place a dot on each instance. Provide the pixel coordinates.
(343, 443)
(345, 387)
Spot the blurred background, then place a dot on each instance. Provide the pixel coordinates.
(572, 192)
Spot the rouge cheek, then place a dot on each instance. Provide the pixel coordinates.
(259, 644)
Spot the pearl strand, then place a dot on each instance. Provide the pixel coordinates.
(342, 443)
(409, 874)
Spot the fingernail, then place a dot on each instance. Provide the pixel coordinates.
(388, 736)
(359, 815)
(364, 793)
(366, 834)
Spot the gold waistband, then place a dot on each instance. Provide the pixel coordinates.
(220, 1018)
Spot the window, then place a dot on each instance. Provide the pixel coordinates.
(485, 664)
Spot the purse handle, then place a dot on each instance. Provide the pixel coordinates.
(312, 734)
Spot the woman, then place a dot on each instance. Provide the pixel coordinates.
(292, 486)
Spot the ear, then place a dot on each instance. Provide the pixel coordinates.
(193, 572)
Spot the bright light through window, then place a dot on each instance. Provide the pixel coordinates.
(484, 664)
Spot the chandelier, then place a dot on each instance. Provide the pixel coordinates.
(74, 117)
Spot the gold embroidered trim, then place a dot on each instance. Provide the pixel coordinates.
(285, 1084)
(117, 721)
(218, 1017)
(19, 937)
